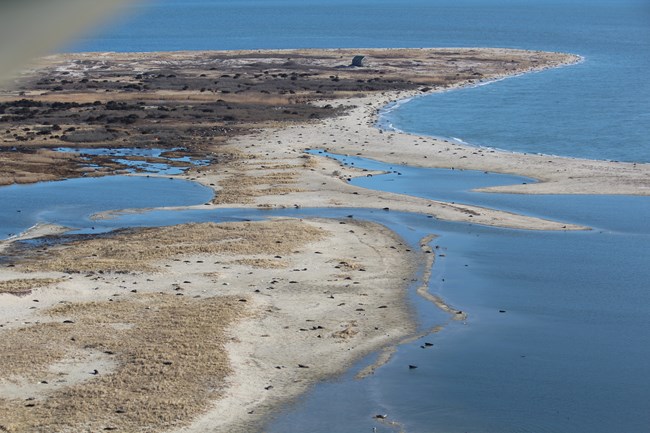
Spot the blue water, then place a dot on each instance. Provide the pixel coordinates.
(559, 360)
(570, 352)
(568, 355)
(72, 202)
(599, 109)
(163, 164)
(629, 214)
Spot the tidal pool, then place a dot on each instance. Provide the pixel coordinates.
(141, 159)
(71, 202)
(620, 213)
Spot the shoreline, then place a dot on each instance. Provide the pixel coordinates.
(568, 175)
(578, 59)
(269, 169)
(337, 292)
(395, 104)
(249, 410)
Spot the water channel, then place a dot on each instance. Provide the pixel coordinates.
(558, 330)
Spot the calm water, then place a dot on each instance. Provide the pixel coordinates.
(148, 160)
(627, 214)
(71, 202)
(600, 109)
(570, 353)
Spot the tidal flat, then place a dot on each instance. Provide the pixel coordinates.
(278, 296)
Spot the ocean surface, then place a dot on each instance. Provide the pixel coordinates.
(570, 351)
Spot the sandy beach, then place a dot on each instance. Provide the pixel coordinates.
(295, 293)
(212, 327)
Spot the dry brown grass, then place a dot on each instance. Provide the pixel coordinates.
(276, 167)
(42, 165)
(348, 265)
(137, 250)
(213, 275)
(245, 184)
(279, 178)
(164, 354)
(310, 161)
(171, 363)
(25, 286)
(262, 263)
(243, 188)
(349, 330)
(251, 177)
(240, 98)
(260, 98)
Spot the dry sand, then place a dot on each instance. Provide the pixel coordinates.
(210, 327)
(270, 169)
(556, 175)
(224, 321)
(274, 171)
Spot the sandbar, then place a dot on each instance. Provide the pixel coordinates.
(221, 325)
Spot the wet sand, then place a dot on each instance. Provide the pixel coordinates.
(221, 325)
(277, 297)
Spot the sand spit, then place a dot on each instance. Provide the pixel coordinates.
(225, 322)
(211, 327)
(312, 181)
(556, 175)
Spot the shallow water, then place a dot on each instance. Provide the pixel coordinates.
(568, 354)
(629, 214)
(164, 166)
(71, 202)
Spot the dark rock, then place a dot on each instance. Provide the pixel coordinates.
(357, 61)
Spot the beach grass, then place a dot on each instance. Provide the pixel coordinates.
(137, 250)
(169, 358)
